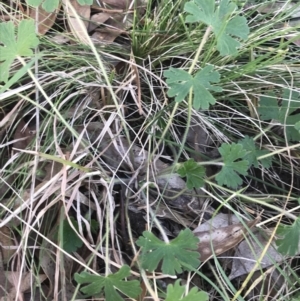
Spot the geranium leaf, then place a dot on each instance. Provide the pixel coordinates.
(109, 285)
(48, 5)
(51, 5)
(193, 172)
(15, 45)
(282, 111)
(220, 19)
(234, 164)
(71, 241)
(288, 243)
(176, 293)
(253, 153)
(175, 256)
(180, 82)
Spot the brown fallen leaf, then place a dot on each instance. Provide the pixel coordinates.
(247, 253)
(49, 170)
(47, 263)
(96, 19)
(9, 118)
(199, 139)
(44, 19)
(6, 244)
(106, 36)
(221, 239)
(10, 281)
(23, 136)
(59, 38)
(5, 286)
(116, 4)
(77, 16)
(117, 16)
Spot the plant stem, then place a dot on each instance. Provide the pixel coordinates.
(190, 102)
(203, 41)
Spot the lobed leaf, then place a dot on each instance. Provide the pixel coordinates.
(193, 172)
(14, 46)
(253, 153)
(288, 244)
(176, 293)
(219, 18)
(175, 256)
(282, 111)
(234, 164)
(71, 241)
(109, 284)
(180, 82)
(48, 5)
(51, 5)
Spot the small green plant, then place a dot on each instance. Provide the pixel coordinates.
(110, 284)
(235, 163)
(283, 112)
(71, 242)
(176, 292)
(224, 26)
(220, 19)
(180, 82)
(253, 152)
(51, 5)
(288, 243)
(15, 46)
(176, 255)
(193, 172)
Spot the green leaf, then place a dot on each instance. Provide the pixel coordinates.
(253, 153)
(193, 172)
(297, 126)
(85, 2)
(71, 242)
(219, 18)
(180, 82)
(232, 155)
(17, 75)
(176, 293)
(48, 5)
(94, 226)
(15, 46)
(282, 111)
(176, 255)
(109, 284)
(288, 244)
(268, 108)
